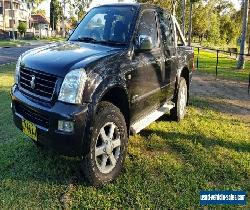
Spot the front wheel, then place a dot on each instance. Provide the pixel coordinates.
(107, 146)
(179, 111)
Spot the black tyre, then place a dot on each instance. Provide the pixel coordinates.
(107, 146)
(180, 100)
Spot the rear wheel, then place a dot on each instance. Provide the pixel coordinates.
(179, 111)
(107, 147)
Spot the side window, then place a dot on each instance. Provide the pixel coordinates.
(148, 27)
(180, 41)
(167, 30)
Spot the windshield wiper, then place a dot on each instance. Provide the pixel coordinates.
(112, 42)
(90, 39)
(85, 39)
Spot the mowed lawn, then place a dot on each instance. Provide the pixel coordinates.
(5, 43)
(226, 65)
(166, 167)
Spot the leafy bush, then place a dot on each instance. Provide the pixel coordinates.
(22, 27)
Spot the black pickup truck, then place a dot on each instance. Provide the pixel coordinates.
(123, 67)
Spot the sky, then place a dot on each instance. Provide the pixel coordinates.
(46, 4)
(98, 2)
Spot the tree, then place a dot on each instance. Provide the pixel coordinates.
(167, 4)
(183, 16)
(22, 27)
(200, 21)
(224, 6)
(80, 7)
(206, 22)
(229, 29)
(39, 12)
(73, 22)
(213, 32)
(13, 19)
(35, 3)
(63, 17)
(241, 61)
(55, 13)
(190, 20)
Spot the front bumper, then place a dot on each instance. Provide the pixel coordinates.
(46, 116)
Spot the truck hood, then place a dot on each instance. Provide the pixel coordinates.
(59, 58)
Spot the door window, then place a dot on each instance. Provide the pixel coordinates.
(167, 30)
(180, 40)
(148, 27)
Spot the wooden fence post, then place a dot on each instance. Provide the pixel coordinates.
(249, 83)
(197, 63)
(217, 62)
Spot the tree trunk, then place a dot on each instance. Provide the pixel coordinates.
(249, 45)
(63, 21)
(190, 24)
(241, 61)
(13, 20)
(183, 16)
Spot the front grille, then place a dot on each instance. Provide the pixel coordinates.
(40, 84)
(31, 115)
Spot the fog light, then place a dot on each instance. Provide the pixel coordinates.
(66, 126)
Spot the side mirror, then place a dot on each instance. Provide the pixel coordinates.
(145, 43)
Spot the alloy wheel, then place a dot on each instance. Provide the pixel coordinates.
(107, 148)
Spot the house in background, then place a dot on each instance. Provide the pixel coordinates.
(40, 24)
(37, 25)
(9, 17)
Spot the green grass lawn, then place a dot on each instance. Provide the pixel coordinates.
(166, 167)
(53, 39)
(11, 43)
(226, 68)
(4, 43)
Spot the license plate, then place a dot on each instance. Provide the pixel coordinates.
(29, 129)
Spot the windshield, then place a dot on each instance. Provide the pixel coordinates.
(108, 24)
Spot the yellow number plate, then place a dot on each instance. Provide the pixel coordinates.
(29, 129)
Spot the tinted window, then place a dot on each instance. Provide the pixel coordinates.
(148, 26)
(167, 31)
(106, 24)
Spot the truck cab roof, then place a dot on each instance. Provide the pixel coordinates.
(137, 5)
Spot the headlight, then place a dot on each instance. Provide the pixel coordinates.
(17, 71)
(72, 87)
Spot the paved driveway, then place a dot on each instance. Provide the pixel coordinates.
(11, 54)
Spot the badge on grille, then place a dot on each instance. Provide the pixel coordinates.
(32, 82)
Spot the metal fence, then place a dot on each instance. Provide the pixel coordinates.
(222, 63)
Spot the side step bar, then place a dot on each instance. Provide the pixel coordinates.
(144, 122)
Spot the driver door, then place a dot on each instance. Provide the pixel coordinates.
(145, 80)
